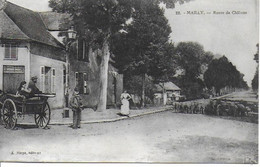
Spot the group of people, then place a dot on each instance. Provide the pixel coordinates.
(30, 90)
(75, 102)
(76, 105)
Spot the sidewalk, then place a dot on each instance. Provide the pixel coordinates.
(110, 115)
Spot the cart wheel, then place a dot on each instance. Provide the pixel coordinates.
(9, 114)
(42, 118)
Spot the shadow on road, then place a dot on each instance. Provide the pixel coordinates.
(23, 126)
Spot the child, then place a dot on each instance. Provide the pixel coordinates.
(22, 91)
(76, 105)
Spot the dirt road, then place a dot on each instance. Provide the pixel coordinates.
(162, 137)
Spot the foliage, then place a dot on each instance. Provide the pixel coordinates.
(190, 57)
(142, 47)
(191, 88)
(255, 79)
(98, 21)
(193, 61)
(145, 51)
(222, 73)
(133, 84)
(165, 65)
(94, 20)
(256, 56)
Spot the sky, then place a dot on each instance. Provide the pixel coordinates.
(232, 35)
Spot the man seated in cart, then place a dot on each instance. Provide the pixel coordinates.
(32, 86)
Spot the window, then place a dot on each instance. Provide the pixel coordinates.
(11, 52)
(64, 76)
(82, 82)
(47, 79)
(82, 50)
(42, 79)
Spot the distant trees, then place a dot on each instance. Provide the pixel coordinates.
(222, 73)
(192, 61)
(255, 79)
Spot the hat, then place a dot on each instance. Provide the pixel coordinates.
(34, 77)
(76, 89)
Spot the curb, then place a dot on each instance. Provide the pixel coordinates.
(114, 119)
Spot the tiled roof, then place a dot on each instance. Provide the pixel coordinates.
(53, 20)
(25, 24)
(9, 30)
(167, 86)
(171, 86)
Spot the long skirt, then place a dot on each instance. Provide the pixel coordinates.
(125, 107)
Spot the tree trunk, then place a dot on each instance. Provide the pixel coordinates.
(103, 77)
(143, 90)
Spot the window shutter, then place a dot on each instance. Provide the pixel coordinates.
(77, 78)
(80, 49)
(85, 84)
(7, 51)
(84, 50)
(42, 79)
(13, 49)
(53, 83)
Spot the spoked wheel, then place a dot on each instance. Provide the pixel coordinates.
(9, 114)
(42, 118)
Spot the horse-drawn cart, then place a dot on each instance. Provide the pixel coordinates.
(13, 106)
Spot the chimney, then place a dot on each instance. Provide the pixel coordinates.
(2, 4)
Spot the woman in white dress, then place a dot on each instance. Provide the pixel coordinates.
(125, 97)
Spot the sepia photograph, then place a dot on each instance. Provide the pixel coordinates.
(129, 81)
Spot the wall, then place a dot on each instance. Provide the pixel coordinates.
(91, 99)
(37, 61)
(111, 101)
(47, 51)
(23, 60)
(92, 69)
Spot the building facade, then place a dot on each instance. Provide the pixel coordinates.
(27, 49)
(166, 93)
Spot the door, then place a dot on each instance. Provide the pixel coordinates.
(13, 76)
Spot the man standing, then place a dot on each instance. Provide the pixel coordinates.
(32, 86)
(76, 105)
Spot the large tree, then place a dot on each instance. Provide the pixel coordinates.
(144, 49)
(98, 21)
(221, 73)
(192, 61)
(190, 57)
